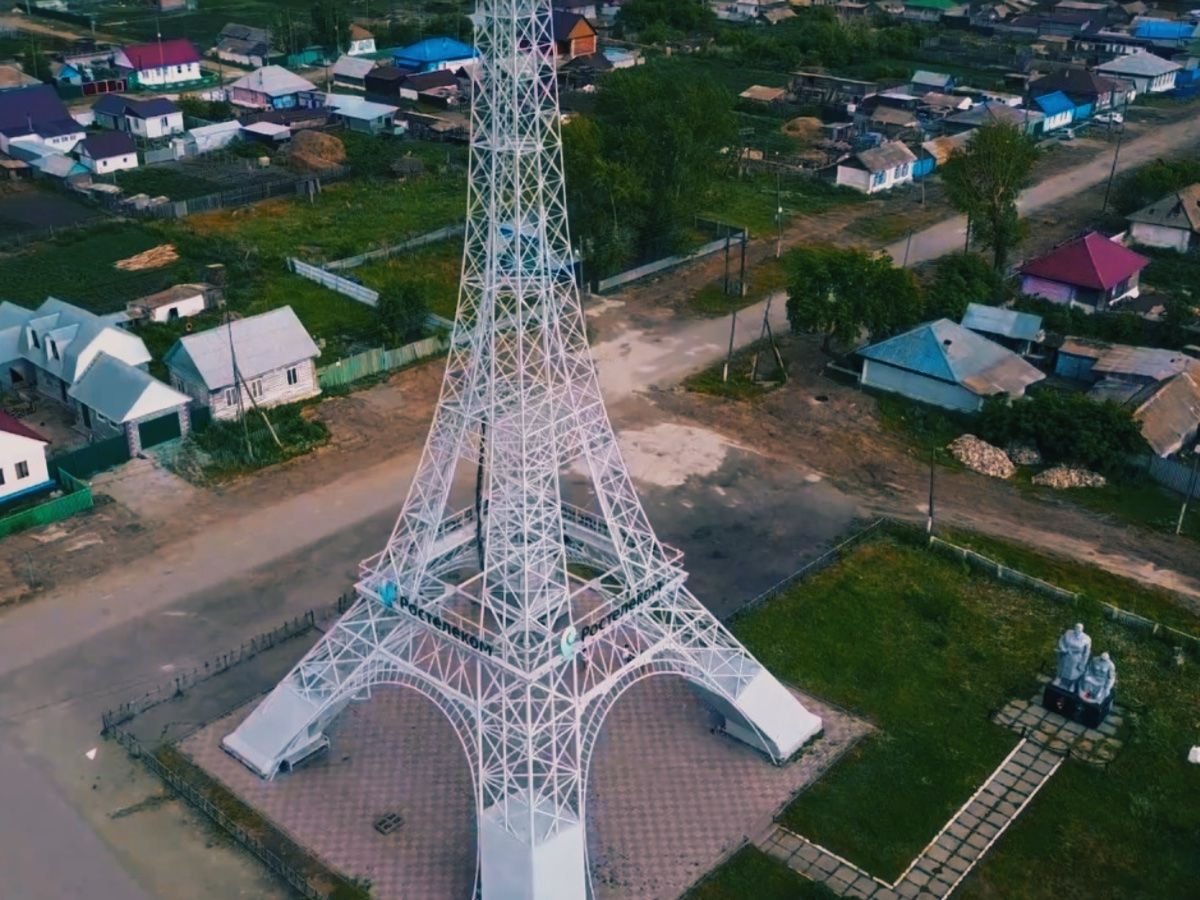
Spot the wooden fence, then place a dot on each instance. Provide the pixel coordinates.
(1174, 475)
(371, 362)
(345, 286)
(420, 240)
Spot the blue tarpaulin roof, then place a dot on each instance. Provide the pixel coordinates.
(1054, 103)
(434, 50)
(1164, 29)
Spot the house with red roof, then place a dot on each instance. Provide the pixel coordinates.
(22, 459)
(160, 63)
(1091, 272)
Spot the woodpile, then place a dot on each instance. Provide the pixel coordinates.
(315, 151)
(980, 456)
(1064, 477)
(154, 258)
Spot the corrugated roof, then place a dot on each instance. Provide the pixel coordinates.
(886, 156)
(39, 103)
(122, 393)
(1171, 416)
(353, 66)
(1055, 103)
(172, 294)
(262, 343)
(935, 79)
(105, 144)
(1005, 322)
(11, 424)
(1164, 29)
(274, 81)
(762, 93)
(1142, 63)
(76, 330)
(889, 115)
(995, 111)
(942, 148)
(434, 50)
(1089, 348)
(945, 351)
(1142, 362)
(1074, 82)
(358, 108)
(1178, 210)
(1091, 261)
(174, 52)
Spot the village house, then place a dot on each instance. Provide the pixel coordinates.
(435, 54)
(1018, 331)
(274, 87)
(1172, 222)
(364, 116)
(946, 365)
(1091, 93)
(1170, 416)
(161, 64)
(924, 81)
(351, 73)
(439, 88)
(12, 76)
(1148, 73)
(37, 114)
(153, 118)
(1090, 272)
(1118, 370)
(878, 169)
(383, 83)
(1029, 121)
(244, 45)
(573, 36)
(1057, 108)
(275, 364)
(87, 364)
(362, 42)
(23, 468)
(107, 151)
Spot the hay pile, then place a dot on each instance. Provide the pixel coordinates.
(314, 151)
(980, 456)
(804, 130)
(154, 258)
(1063, 477)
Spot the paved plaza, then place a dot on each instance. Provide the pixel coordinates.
(667, 797)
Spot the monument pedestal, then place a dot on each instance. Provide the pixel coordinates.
(1061, 701)
(1093, 714)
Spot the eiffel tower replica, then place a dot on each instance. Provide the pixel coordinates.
(521, 616)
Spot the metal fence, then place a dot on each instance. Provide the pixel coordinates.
(650, 268)
(371, 362)
(420, 240)
(345, 286)
(95, 457)
(77, 499)
(1173, 475)
(239, 196)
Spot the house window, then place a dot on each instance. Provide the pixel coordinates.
(879, 178)
(256, 389)
(1, 476)
(162, 122)
(901, 170)
(34, 337)
(231, 397)
(178, 69)
(22, 470)
(53, 345)
(292, 375)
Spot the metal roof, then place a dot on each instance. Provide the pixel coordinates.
(936, 79)
(174, 52)
(105, 144)
(945, 351)
(262, 343)
(358, 108)
(79, 335)
(1141, 362)
(1055, 103)
(274, 81)
(886, 156)
(1171, 416)
(942, 148)
(1142, 63)
(1164, 29)
(1091, 261)
(1179, 210)
(123, 393)
(1005, 322)
(12, 425)
(353, 66)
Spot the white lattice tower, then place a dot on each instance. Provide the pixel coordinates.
(521, 616)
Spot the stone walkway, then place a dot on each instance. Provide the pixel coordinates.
(1096, 746)
(945, 862)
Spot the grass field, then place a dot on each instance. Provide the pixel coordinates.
(751, 202)
(165, 182)
(752, 875)
(927, 650)
(434, 269)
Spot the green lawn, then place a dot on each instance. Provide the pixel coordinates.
(752, 875)
(434, 268)
(927, 650)
(165, 182)
(750, 202)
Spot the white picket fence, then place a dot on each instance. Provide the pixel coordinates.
(334, 282)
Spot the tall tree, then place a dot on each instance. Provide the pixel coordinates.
(983, 181)
(598, 198)
(842, 293)
(330, 27)
(959, 279)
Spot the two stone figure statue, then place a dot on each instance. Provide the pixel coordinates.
(1091, 678)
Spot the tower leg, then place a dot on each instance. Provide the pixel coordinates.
(515, 868)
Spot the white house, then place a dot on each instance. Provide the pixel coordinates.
(362, 41)
(179, 302)
(107, 151)
(1148, 73)
(244, 45)
(36, 113)
(160, 64)
(1172, 222)
(155, 117)
(878, 169)
(275, 364)
(22, 459)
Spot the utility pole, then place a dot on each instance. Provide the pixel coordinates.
(237, 386)
(727, 240)
(742, 266)
(778, 214)
(907, 245)
(729, 353)
(929, 520)
(1112, 173)
(1191, 489)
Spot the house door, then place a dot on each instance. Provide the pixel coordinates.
(87, 417)
(62, 391)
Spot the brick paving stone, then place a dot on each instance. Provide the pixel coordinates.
(866, 884)
(885, 894)
(666, 799)
(958, 864)
(958, 830)
(987, 829)
(828, 864)
(1007, 809)
(995, 789)
(947, 843)
(838, 885)
(858, 893)
(907, 890)
(938, 853)
(977, 809)
(789, 842)
(978, 841)
(940, 887)
(1027, 787)
(846, 873)
(1004, 779)
(998, 820)
(809, 853)
(967, 820)
(917, 877)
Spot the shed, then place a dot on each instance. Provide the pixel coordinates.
(878, 169)
(1170, 418)
(1017, 331)
(434, 54)
(1172, 222)
(946, 365)
(108, 151)
(275, 359)
(178, 302)
(1076, 357)
(924, 81)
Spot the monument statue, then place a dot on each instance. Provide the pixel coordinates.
(1074, 648)
(1098, 679)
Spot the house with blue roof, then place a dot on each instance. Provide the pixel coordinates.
(1164, 32)
(435, 54)
(944, 364)
(1058, 109)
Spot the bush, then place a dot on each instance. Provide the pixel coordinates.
(225, 442)
(1153, 181)
(1065, 428)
